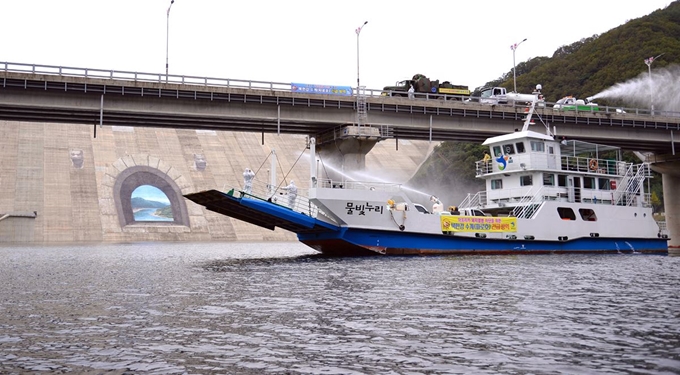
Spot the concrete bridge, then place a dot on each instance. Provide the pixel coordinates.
(104, 97)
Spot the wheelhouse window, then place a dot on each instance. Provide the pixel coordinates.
(496, 184)
(589, 182)
(562, 180)
(551, 150)
(604, 184)
(537, 146)
(548, 179)
(566, 213)
(497, 151)
(520, 147)
(508, 149)
(587, 214)
(525, 180)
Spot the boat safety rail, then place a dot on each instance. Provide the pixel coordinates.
(474, 200)
(359, 185)
(281, 196)
(483, 167)
(517, 196)
(527, 207)
(630, 191)
(594, 165)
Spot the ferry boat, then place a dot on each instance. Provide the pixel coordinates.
(543, 195)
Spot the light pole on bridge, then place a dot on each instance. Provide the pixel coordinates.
(649, 62)
(514, 76)
(167, 40)
(358, 31)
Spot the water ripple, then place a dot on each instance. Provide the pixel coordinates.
(275, 308)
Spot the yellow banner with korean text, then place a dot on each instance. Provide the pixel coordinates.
(455, 223)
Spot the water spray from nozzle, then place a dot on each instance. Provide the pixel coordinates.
(659, 89)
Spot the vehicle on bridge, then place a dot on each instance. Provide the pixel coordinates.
(569, 103)
(499, 95)
(423, 85)
(543, 195)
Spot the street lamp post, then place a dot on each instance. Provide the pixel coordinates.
(358, 31)
(514, 76)
(649, 62)
(167, 40)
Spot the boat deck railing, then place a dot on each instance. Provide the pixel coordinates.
(359, 185)
(599, 166)
(594, 165)
(520, 196)
(280, 195)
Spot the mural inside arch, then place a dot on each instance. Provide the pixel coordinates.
(149, 203)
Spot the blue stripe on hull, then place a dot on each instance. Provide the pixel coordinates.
(413, 243)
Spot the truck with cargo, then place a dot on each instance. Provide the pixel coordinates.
(423, 86)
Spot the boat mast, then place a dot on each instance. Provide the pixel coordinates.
(312, 162)
(272, 175)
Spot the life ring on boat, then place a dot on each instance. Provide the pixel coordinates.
(592, 164)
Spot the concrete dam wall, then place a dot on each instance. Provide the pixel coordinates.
(59, 184)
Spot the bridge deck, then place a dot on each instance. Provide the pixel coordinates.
(273, 108)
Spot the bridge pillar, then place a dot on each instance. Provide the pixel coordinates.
(343, 150)
(345, 156)
(670, 174)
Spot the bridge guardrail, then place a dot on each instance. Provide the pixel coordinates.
(262, 85)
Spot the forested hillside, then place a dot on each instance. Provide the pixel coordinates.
(591, 65)
(583, 68)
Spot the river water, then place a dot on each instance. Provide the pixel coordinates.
(274, 308)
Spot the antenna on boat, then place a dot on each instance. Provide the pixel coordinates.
(533, 99)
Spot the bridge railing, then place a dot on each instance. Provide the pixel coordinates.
(275, 86)
(142, 77)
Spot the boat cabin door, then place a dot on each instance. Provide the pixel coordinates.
(574, 189)
(552, 164)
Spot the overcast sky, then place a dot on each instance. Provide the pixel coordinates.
(465, 42)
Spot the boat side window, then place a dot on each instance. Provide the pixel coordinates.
(537, 146)
(548, 179)
(551, 150)
(525, 180)
(497, 151)
(562, 180)
(477, 213)
(589, 182)
(566, 213)
(587, 214)
(520, 147)
(604, 184)
(508, 149)
(496, 184)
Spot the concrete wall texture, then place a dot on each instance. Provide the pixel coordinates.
(76, 183)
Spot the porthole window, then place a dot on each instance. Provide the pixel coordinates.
(587, 214)
(566, 213)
